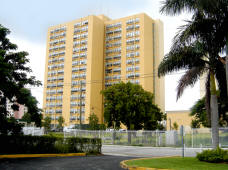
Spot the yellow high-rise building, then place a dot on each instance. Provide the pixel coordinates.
(85, 56)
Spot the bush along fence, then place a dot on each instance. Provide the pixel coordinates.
(193, 138)
(48, 144)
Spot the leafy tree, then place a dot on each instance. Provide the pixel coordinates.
(13, 78)
(132, 106)
(102, 127)
(26, 97)
(175, 126)
(196, 48)
(14, 127)
(93, 122)
(199, 114)
(198, 111)
(47, 124)
(26, 118)
(195, 123)
(60, 122)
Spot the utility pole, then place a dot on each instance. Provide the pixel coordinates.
(80, 110)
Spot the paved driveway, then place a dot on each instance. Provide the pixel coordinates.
(64, 163)
(111, 159)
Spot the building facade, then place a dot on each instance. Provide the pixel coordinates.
(87, 55)
(180, 117)
(17, 114)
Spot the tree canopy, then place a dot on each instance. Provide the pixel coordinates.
(197, 47)
(198, 112)
(14, 78)
(93, 122)
(60, 122)
(47, 124)
(132, 106)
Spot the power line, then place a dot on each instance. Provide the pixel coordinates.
(148, 75)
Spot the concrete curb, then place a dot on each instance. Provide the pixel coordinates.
(41, 155)
(125, 166)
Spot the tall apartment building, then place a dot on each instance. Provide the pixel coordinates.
(85, 56)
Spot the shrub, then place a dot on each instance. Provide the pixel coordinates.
(47, 144)
(216, 155)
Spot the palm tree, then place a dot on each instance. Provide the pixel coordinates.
(215, 11)
(196, 48)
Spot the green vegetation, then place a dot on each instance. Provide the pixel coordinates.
(216, 155)
(26, 118)
(60, 123)
(200, 117)
(175, 126)
(13, 126)
(14, 77)
(132, 106)
(93, 122)
(47, 124)
(55, 134)
(177, 163)
(197, 48)
(47, 144)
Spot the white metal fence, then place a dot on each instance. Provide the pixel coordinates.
(193, 138)
(34, 131)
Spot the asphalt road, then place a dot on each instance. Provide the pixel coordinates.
(64, 163)
(113, 155)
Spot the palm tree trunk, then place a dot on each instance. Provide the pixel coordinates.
(227, 64)
(227, 70)
(208, 100)
(214, 112)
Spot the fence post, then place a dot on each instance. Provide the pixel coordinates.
(113, 137)
(156, 138)
(192, 138)
(182, 137)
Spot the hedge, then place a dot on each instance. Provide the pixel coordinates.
(47, 144)
(214, 156)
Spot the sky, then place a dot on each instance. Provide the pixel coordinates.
(28, 21)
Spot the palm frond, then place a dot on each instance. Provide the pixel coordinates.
(175, 7)
(205, 26)
(182, 58)
(189, 79)
(220, 74)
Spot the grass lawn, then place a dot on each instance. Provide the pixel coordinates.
(177, 163)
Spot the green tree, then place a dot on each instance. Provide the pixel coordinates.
(201, 40)
(26, 97)
(47, 124)
(198, 112)
(175, 126)
(14, 127)
(26, 118)
(93, 122)
(60, 122)
(13, 78)
(132, 106)
(213, 15)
